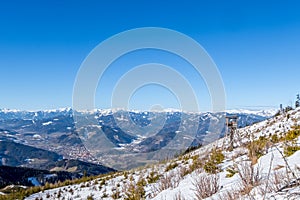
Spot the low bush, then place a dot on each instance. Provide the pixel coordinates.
(231, 171)
(152, 177)
(171, 166)
(211, 165)
(134, 191)
(257, 148)
(290, 150)
(292, 134)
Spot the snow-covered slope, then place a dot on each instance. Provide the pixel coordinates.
(266, 173)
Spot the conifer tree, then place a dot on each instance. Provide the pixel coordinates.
(297, 103)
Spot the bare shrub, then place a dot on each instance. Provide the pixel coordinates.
(179, 196)
(165, 182)
(250, 176)
(226, 195)
(277, 181)
(116, 193)
(169, 180)
(183, 171)
(205, 185)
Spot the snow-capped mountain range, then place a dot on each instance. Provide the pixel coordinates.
(261, 112)
(64, 131)
(263, 164)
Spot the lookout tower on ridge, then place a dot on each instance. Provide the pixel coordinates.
(231, 128)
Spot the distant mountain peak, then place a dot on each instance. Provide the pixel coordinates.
(265, 113)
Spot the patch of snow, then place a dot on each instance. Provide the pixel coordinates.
(34, 181)
(37, 136)
(47, 123)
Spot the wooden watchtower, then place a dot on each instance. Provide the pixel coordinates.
(231, 127)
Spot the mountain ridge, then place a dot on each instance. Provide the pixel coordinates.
(75, 134)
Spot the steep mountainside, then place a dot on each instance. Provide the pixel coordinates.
(36, 161)
(31, 177)
(15, 154)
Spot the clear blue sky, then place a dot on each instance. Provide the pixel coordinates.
(255, 44)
